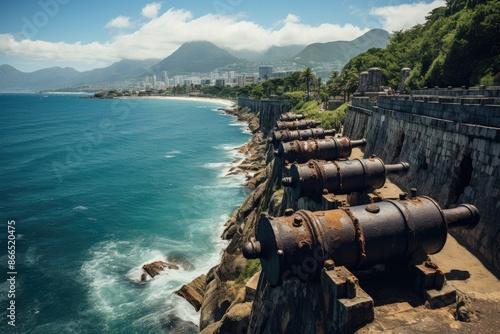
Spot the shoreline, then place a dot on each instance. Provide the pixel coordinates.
(227, 103)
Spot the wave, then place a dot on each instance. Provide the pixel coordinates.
(171, 154)
(112, 276)
(80, 208)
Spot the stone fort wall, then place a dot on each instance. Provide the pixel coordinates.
(453, 147)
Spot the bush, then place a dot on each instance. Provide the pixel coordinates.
(251, 267)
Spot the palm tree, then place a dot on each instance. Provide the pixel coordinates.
(307, 76)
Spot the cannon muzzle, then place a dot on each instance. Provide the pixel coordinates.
(463, 216)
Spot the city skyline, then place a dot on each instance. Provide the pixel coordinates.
(35, 35)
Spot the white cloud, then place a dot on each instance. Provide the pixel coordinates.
(119, 22)
(400, 17)
(162, 35)
(151, 10)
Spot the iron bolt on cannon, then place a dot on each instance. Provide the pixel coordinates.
(297, 125)
(289, 135)
(301, 151)
(296, 246)
(339, 177)
(290, 116)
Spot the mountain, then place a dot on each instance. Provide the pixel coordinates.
(122, 70)
(53, 77)
(195, 57)
(57, 77)
(342, 51)
(274, 53)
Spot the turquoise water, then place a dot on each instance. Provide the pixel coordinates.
(98, 188)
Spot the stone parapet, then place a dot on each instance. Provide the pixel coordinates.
(462, 110)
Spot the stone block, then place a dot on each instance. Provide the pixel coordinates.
(251, 287)
(439, 298)
(346, 314)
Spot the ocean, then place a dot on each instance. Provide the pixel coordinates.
(95, 189)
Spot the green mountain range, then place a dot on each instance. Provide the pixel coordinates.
(342, 51)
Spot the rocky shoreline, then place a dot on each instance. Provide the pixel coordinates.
(221, 294)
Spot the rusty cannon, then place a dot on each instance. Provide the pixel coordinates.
(317, 177)
(289, 135)
(299, 244)
(301, 151)
(290, 116)
(297, 125)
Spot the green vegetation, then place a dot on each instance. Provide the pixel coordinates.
(251, 268)
(330, 119)
(457, 46)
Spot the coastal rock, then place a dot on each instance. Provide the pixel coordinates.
(231, 265)
(255, 181)
(212, 328)
(180, 260)
(173, 324)
(230, 231)
(154, 268)
(215, 304)
(236, 319)
(194, 291)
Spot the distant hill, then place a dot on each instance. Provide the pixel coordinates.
(274, 53)
(342, 51)
(122, 70)
(53, 77)
(12, 79)
(197, 56)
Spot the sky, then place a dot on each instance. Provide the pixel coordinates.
(37, 34)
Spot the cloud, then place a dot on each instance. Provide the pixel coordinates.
(151, 10)
(119, 22)
(400, 17)
(161, 36)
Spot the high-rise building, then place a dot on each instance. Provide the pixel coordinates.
(165, 78)
(220, 82)
(245, 80)
(265, 72)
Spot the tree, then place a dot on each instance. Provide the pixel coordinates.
(307, 76)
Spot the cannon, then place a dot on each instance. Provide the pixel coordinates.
(290, 116)
(297, 125)
(289, 135)
(339, 177)
(301, 151)
(297, 245)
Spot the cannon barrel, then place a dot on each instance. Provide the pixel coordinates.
(297, 245)
(290, 116)
(301, 151)
(297, 125)
(339, 177)
(289, 135)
